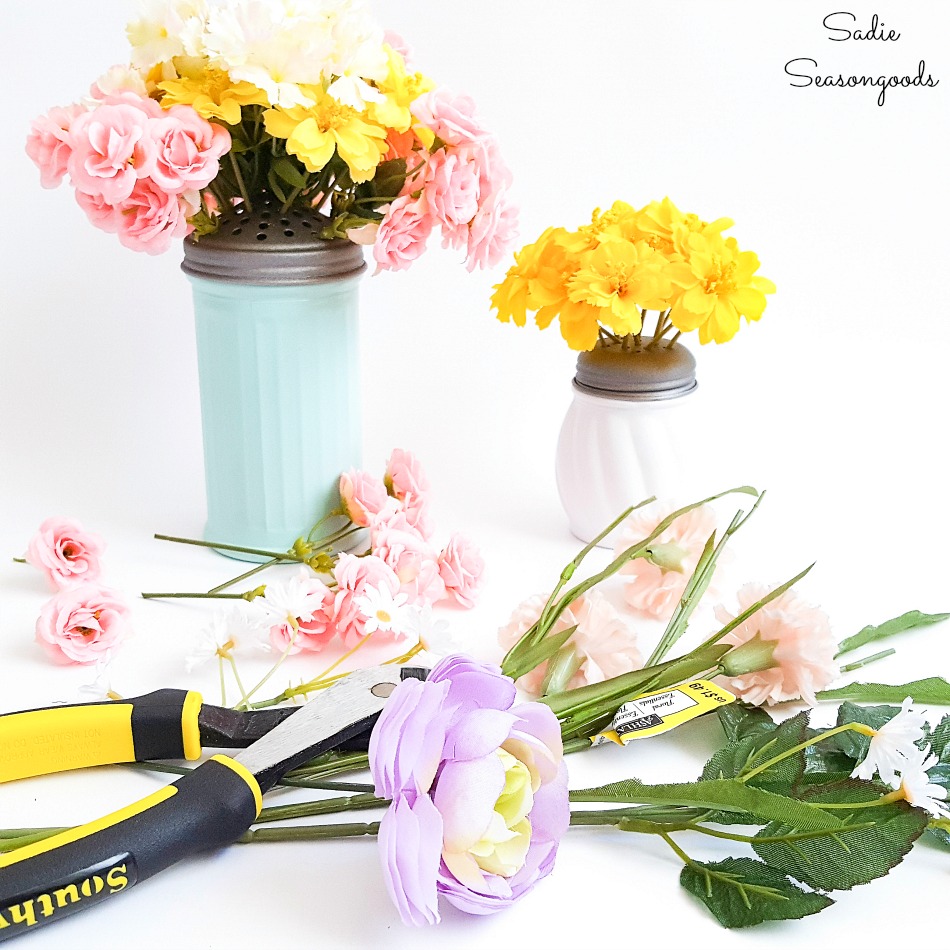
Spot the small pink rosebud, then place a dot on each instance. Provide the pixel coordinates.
(65, 553)
(363, 496)
(461, 567)
(81, 624)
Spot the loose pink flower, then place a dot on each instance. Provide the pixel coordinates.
(451, 117)
(48, 143)
(363, 496)
(81, 624)
(651, 590)
(492, 232)
(293, 612)
(797, 637)
(151, 218)
(604, 646)
(187, 149)
(411, 556)
(354, 576)
(405, 475)
(402, 234)
(111, 149)
(461, 567)
(65, 553)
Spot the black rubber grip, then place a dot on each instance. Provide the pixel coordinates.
(157, 725)
(211, 806)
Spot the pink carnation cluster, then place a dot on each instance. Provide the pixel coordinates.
(137, 170)
(403, 562)
(460, 185)
(85, 620)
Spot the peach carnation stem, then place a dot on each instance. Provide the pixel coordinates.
(847, 727)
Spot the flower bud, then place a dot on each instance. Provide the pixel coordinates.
(750, 657)
(667, 557)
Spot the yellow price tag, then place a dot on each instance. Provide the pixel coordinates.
(655, 713)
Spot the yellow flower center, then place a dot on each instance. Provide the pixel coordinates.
(504, 845)
(384, 615)
(721, 278)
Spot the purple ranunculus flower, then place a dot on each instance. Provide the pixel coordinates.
(478, 789)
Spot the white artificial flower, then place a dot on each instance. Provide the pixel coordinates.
(166, 29)
(432, 633)
(228, 632)
(382, 609)
(917, 787)
(893, 746)
(289, 602)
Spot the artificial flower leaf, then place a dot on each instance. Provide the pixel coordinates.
(872, 841)
(542, 651)
(934, 691)
(907, 621)
(290, 172)
(274, 182)
(939, 739)
(740, 720)
(853, 744)
(389, 179)
(940, 836)
(742, 892)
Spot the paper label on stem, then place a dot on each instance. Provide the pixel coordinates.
(654, 713)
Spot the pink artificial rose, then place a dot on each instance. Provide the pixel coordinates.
(111, 148)
(48, 143)
(293, 613)
(65, 553)
(396, 42)
(81, 624)
(187, 149)
(451, 117)
(353, 575)
(461, 567)
(363, 496)
(151, 218)
(794, 637)
(402, 233)
(452, 186)
(604, 646)
(492, 232)
(405, 475)
(410, 555)
(103, 215)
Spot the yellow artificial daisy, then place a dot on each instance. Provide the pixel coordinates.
(663, 226)
(720, 286)
(212, 94)
(314, 133)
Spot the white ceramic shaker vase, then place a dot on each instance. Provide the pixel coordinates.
(626, 434)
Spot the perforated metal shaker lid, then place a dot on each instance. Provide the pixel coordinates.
(269, 246)
(645, 374)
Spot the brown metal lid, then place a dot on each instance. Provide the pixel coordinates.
(636, 374)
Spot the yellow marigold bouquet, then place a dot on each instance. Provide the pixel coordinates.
(600, 280)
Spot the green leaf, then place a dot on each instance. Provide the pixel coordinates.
(940, 836)
(856, 853)
(740, 720)
(542, 651)
(389, 178)
(742, 892)
(940, 739)
(275, 186)
(289, 171)
(934, 691)
(908, 621)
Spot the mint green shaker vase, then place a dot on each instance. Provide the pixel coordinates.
(276, 312)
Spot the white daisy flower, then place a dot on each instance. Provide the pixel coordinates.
(228, 633)
(433, 633)
(918, 789)
(382, 609)
(100, 689)
(893, 746)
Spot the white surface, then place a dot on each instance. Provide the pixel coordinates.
(835, 402)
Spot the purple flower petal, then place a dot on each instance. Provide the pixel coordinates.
(478, 733)
(475, 684)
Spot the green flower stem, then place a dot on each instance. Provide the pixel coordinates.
(698, 584)
(576, 745)
(239, 178)
(237, 677)
(19, 560)
(673, 339)
(243, 577)
(332, 763)
(245, 701)
(308, 833)
(888, 799)
(277, 555)
(847, 727)
(189, 595)
(288, 781)
(850, 667)
(13, 838)
(329, 806)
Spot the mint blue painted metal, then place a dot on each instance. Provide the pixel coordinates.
(276, 312)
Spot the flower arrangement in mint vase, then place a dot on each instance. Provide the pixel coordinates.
(624, 429)
(278, 138)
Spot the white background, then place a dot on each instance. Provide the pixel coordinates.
(835, 402)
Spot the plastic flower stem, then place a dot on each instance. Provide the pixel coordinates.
(19, 560)
(308, 833)
(329, 806)
(673, 339)
(857, 664)
(293, 197)
(239, 179)
(15, 838)
(288, 781)
(887, 799)
(245, 575)
(698, 584)
(758, 605)
(245, 699)
(237, 679)
(224, 692)
(190, 595)
(277, 555)
(847, 727)
(321, 768)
